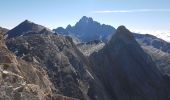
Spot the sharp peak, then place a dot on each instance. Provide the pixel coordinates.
(68, 26)
(27, 21)
(122, 28)
(124, 34)
(84, 18)
(31, 23)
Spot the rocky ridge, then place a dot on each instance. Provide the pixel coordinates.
(69, 70)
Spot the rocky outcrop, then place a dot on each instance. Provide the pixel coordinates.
(127, 71)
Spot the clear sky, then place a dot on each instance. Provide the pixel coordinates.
(137, 15)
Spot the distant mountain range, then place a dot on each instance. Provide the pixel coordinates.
(87, 30)
(109, 64)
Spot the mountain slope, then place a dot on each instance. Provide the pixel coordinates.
(158, 49)
(127, 71)
(87, 30)
(68, 69)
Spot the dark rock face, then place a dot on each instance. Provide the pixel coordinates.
(158, 49)
(24, 28)
(161, 59)
(87, 30)
(127, 71)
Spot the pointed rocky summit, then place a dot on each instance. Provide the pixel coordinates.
(24, 28)
(127, 71)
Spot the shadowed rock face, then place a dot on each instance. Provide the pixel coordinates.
(161, 59)
(158, 49)
(127, 71)
(87, 30)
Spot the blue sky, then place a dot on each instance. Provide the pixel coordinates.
(137, 15)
